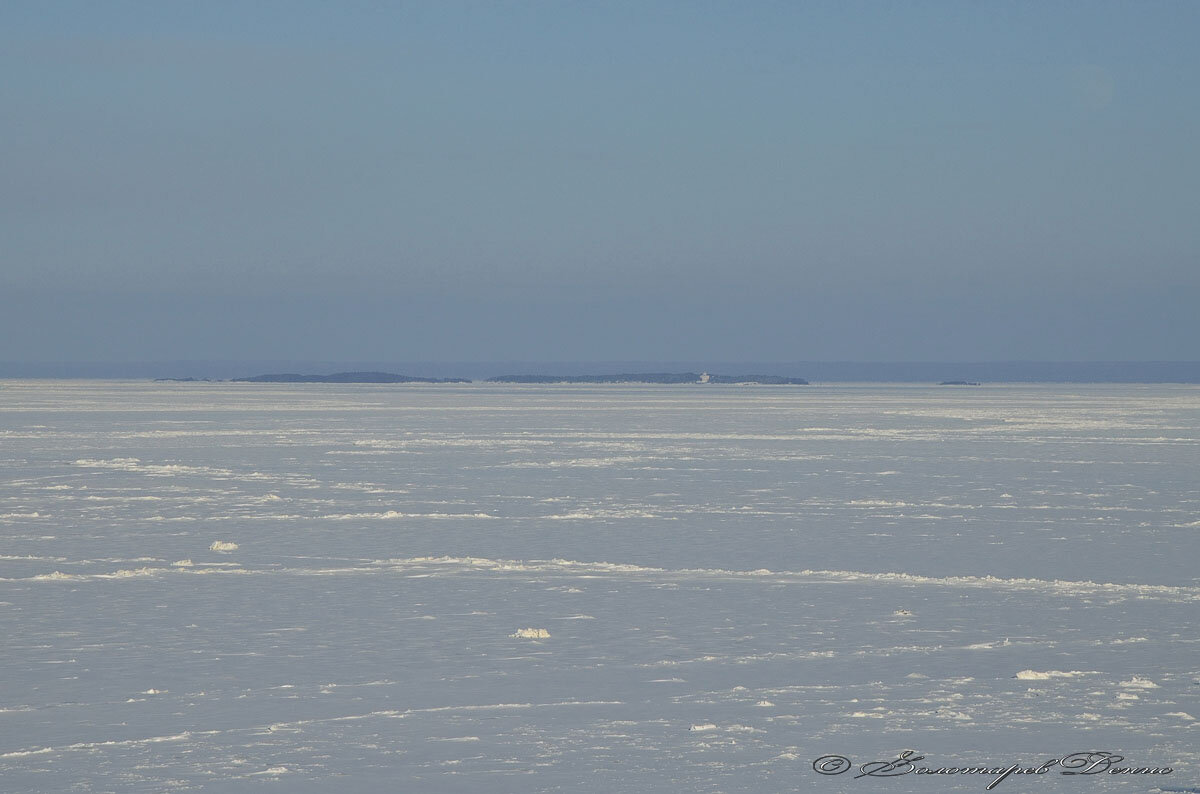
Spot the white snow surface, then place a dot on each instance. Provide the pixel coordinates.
(737, 581)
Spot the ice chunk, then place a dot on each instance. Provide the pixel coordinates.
(531, 634)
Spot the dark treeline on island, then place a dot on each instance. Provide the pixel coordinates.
(347, 377)
(644, 377)
(653, 377)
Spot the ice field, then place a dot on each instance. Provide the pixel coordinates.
(235, 587)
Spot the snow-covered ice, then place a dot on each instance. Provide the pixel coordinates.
(594, 588)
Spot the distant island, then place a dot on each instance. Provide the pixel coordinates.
(958, 383)
(653, 377)
(636, 377)
(347, 377)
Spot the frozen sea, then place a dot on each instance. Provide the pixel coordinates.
(460, 588)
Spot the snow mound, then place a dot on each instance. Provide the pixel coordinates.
(531, 634)
(1034, 675)
(1137, 682)
(129, 573)
(56, 575)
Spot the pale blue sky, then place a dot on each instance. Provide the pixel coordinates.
(588, 181)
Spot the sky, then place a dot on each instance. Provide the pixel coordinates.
(570, 181)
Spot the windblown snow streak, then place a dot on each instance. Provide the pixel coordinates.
(524, 588)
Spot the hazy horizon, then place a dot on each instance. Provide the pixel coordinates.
(814, 371)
